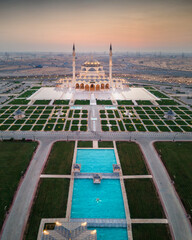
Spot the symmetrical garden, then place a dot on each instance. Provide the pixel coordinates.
(127, 115)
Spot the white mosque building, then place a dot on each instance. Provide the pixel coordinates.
(92, 81)
(92, 76)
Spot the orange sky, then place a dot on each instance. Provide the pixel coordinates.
(92, 25)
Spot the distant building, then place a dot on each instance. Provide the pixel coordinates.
(170, 115)
(19, 114)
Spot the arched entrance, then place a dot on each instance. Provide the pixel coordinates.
(92, 87)
(102, 85)
(82, 86)
(107, 86)
(97, 87)
(87, 87)
(77, 86)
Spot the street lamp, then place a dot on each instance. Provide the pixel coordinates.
(175, 136)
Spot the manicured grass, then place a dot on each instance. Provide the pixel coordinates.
(86, 144)
(140, 127)
(19, 102)
(61, 102)
(48, 127)
(14, 127)
(125, 102)
(105, 128)
(14, 159)
(37, 127)
(175, 129)
(27, 94)
(152, 129)
(83, 128)
(187, 128)
(105, 144)
(158, 94)
(176, 157)
(4, 127)
(60, 159)
(130, 127)
(74, 128)
(42, 102)
(26, 127)
(114, 128)
(103, 116)
(151, 232)
(58, 127)
(131, 158)
(67, 125)
(104, 102)
(163, 129)
(143, 199)
(51, 202)
(144, 102)
(167, 102)
(82, 102)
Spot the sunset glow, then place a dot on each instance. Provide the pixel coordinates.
(55, 25)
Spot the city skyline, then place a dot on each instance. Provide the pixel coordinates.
(131, 26)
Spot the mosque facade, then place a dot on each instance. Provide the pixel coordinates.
(92, 76)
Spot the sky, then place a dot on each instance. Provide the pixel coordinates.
(130, 25)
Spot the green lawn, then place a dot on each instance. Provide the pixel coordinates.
(85, 144)
(60, 158)
(151, 232)
(14, 159)
(176, 157)
(131, 158)
(105, 144)
(143, 199)
(50, 202)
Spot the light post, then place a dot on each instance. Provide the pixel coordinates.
(175, 136)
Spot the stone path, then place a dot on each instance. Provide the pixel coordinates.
(157, 221)
(102, 222)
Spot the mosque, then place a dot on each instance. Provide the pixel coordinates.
(92, 76)
(92, 83)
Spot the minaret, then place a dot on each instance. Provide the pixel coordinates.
(73, 82)
(110, 66)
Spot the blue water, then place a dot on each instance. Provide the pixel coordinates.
(96, 160)
(86, 205)
(111, 233)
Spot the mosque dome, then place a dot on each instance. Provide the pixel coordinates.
(92, 63)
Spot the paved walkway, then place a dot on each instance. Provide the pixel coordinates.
(157, 221)
(54, 176)
(175, 213)
(19, 213)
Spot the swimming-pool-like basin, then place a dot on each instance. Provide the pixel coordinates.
(96, 160)
(111, 233)
(102, 200)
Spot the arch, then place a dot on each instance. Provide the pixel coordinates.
(77, 86)
(92, 69)
(82, 86)
(97, 87)
(83, 69)
(107, 86)
(92, 87)
(87, 87)
(102, 86)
